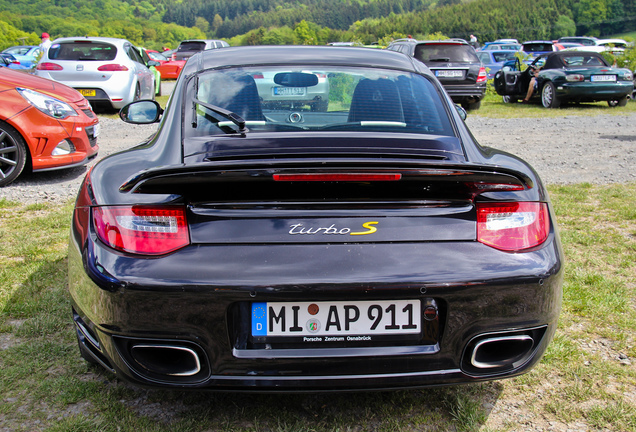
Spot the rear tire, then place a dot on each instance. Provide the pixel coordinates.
(549, 98)
(13, 154)
(473, 106)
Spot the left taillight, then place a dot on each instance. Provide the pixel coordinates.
(146, 230)
(512, 226)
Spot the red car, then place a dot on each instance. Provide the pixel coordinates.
(170, 69)
(44, 125)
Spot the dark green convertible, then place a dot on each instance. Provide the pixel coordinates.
(566, 76)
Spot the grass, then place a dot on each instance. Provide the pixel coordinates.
(493, 106)
(588, 376)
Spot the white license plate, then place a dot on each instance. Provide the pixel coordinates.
(289, 91)
(604, 78)
(342, 318)
(449, 74)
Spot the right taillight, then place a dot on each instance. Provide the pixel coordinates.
(146, 230)
(512, 226)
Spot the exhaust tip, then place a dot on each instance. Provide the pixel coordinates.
(502, 351)
(169, 360)
(163, 360)
(496, 353)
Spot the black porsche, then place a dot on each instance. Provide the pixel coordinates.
(371, 244)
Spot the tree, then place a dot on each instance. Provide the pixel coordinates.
(564, 26)
(202, 24)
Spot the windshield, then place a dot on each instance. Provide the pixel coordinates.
(284, 99)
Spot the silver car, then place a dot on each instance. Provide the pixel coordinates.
(107, 71)
(296, 96)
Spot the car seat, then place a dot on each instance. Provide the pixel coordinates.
(376, 100)
(245, 101)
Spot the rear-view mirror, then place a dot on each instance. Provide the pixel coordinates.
(296, 79)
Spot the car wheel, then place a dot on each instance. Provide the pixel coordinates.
(549, 98)
(13, 154)
(472, 106)
(509, 99)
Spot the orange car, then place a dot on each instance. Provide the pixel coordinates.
(44, 125)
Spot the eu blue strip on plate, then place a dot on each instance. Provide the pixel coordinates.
(259, 319)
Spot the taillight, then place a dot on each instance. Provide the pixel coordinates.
(112, 67)
(46, 66)
(147, 230)
(483, 76)
(338, 177)
(258, 75)
(575, 78)
(512, 226)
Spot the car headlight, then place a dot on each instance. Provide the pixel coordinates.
(48, 104)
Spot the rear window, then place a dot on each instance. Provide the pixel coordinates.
(503, 56)
(584, 60)
(445, 52)
(83, 50)
(537, 47)
(307, 98)
(192, 46)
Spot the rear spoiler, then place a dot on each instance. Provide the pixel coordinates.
(179, 178)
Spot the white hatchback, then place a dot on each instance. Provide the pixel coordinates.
(107, 71)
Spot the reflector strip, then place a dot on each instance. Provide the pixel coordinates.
(346, 177)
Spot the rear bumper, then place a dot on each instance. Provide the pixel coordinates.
(199, 311)
(590, 92)
(466, 93)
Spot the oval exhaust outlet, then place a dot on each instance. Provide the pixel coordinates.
(169, 360)
(502, 351)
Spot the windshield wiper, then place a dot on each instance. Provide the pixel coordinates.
(440, 59)
(231, 116)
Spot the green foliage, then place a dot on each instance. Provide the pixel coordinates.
(138, 21)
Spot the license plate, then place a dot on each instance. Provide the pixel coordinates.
(96, 130)
(604, 78)
(336, 321)
(289, 91)
(449, 74)
(87, 92)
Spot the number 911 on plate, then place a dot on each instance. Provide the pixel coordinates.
(344, 318)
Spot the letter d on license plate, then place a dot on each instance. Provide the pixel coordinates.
(398, 317)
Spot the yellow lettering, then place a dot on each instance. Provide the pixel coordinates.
(368, 226)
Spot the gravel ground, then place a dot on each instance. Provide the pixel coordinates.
(571, 149)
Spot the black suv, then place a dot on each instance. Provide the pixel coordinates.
(454, 63)
(188, 48)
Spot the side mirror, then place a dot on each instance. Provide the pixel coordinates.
(141, 112)
(153, 63)
(462, 112)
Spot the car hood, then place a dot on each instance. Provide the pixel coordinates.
(11, 78)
